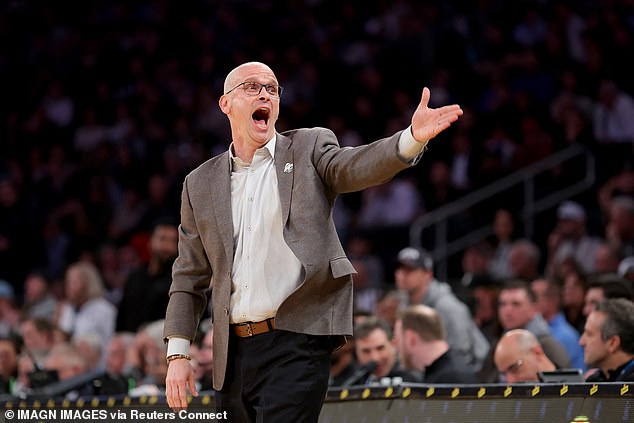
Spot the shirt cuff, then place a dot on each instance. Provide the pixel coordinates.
(177, 345)
(408, 148)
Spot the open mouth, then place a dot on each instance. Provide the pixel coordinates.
(261, 117)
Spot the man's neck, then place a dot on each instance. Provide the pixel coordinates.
(430, 352)
(244, 153)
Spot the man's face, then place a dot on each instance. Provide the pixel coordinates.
(595, 349)
(34, 340)
(593, 297)
(409, 279)
(544, 303)
(252, 118)
(517, 366)
(515, 309)
(376, 347)
(164, 242)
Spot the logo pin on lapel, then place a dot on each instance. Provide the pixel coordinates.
(288, 167)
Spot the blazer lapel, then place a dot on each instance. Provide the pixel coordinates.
(220, 185)
(284, 169)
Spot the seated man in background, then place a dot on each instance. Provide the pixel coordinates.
(608, 341)
(414, 275)
(519, 357)
(375, 350)
(548, 294)
(604, 287)
(421, 340)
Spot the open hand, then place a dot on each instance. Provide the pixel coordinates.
(180, 377)
(428, 122)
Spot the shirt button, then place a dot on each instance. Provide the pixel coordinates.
(250, 198)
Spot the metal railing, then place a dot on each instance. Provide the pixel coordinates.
(438, 219)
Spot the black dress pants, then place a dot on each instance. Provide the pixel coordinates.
(275, 377)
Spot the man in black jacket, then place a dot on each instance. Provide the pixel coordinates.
(145, 294)
(608, 341)
(420, 338)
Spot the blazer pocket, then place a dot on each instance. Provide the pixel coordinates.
(341, 266)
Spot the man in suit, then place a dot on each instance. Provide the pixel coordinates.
(257, 228)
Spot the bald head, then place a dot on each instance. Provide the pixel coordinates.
(236, 76)
(519, 357)
(517, 340)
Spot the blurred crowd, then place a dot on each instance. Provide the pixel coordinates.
(107, 105)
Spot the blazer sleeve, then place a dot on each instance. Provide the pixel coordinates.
(191, 276)
(351, 169)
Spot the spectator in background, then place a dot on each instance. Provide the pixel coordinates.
(476, 260)
(569, 238)
(548, 294)
(420, 340)
(87, 311)
(9, 313)
(38, 336)
(524, 259)
(149, 284)
(605, 287)
(66, 361)
(39, 301)
(607, 258)
(519, 357)
(608, 341)
(613, 115)
(373, 343)
(619, 231)
(619, 185)
(151, 353)
(92, 348)
(573, 298)
(119, 377)
(389, 304)
(8, 365)
(414, 275)
(486, 290)
(504, 232)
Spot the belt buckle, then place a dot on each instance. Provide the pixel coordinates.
(249, 330)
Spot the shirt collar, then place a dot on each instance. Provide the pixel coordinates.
(615, 373)
(236, 162)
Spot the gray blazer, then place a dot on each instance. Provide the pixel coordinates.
(322, 303)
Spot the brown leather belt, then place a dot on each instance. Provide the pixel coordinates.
(247, 329)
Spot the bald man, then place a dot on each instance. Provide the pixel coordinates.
(519, 357)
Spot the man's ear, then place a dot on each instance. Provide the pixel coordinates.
(410, 337)
(225, 104)
(614, 343)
